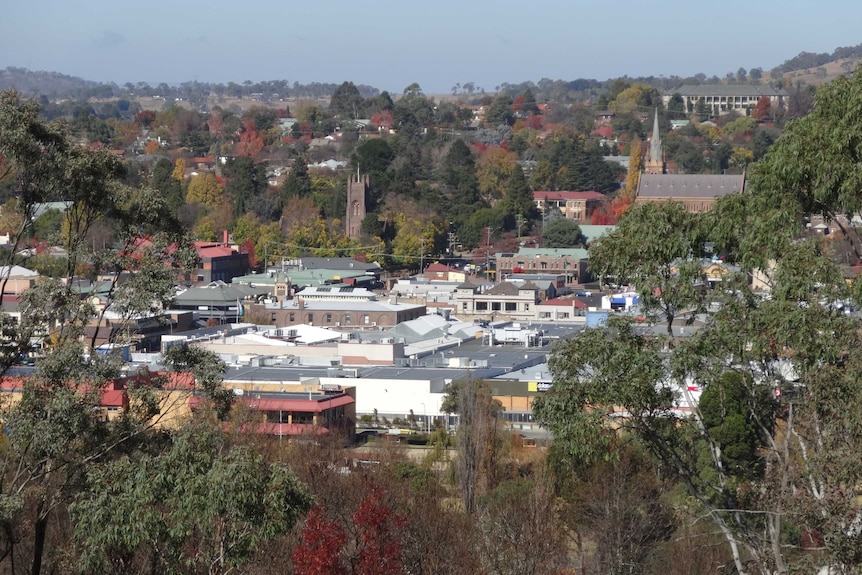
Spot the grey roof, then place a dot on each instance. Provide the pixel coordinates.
(311, 263)
(689, 185)
(698, 90)
(216, 293)
(17, 272)
(511, 288)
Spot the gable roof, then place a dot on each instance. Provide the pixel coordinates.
(698, 90)
(438, 267)
(563, 195)
(683, 186)
(511, 288)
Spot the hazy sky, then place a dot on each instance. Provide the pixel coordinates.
(390, 44)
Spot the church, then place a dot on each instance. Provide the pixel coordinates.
(697, 192)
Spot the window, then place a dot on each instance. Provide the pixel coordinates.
(481, 306)
(496, 306)
(544, 265)
(511, 306)
(329, 318)
(303, 417)
(273, 319)
(310, 318)
(463, 306)
(347, 319)
(366, 319)
(291, 317)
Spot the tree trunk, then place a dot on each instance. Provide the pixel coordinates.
(40, 530)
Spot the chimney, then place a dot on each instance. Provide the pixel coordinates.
(300, 303)
(225, 238)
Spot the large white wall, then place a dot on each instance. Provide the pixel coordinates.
(391, 396)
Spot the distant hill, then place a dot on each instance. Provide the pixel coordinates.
(807, 60)
(808, 67)
(53, 85)
(820, 68)
(823, 73)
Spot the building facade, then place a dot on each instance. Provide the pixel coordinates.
(508, 300)
(578, 206)
(721, 99)
(571, 263)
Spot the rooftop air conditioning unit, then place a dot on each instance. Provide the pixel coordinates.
(373, 324)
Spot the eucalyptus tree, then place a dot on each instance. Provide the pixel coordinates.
(58, 441)
(770, 452)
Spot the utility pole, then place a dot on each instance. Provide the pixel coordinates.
(487, 250)
(422, 256)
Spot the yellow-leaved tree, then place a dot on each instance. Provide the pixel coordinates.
(179, 173)
(206, 190)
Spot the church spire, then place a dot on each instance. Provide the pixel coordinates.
(655, 164)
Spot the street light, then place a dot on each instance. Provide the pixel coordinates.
(425, 417)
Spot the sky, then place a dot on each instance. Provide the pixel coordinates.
(393, 43)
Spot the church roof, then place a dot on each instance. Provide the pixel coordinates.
(684, 186)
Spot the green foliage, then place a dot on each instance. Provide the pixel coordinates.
(459, 174)
(298, 182)
(199, 503)
(208, 370)
(58, 430)
(500, 112)
(47, 226)
(656, 247)
(162, 180)
(563, 233)
(246, 181)
(724, 405)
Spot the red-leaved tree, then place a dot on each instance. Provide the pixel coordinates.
(250, 141)
(247, 247)
(320, 550)
(380, 528)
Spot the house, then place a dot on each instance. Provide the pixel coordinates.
(17, 280)
(442, 272)
(720, 99)
(578, 206)
(547, 285)
(558, 309)
(217, 301)
(572, 263)
(218, 261)
(359, 312)
(303, 411)
(516, 301)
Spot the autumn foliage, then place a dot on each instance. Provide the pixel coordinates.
(380, 553)
(320, 550)
(378, 550)
(250, 141)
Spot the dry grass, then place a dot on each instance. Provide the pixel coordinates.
(833, 70)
